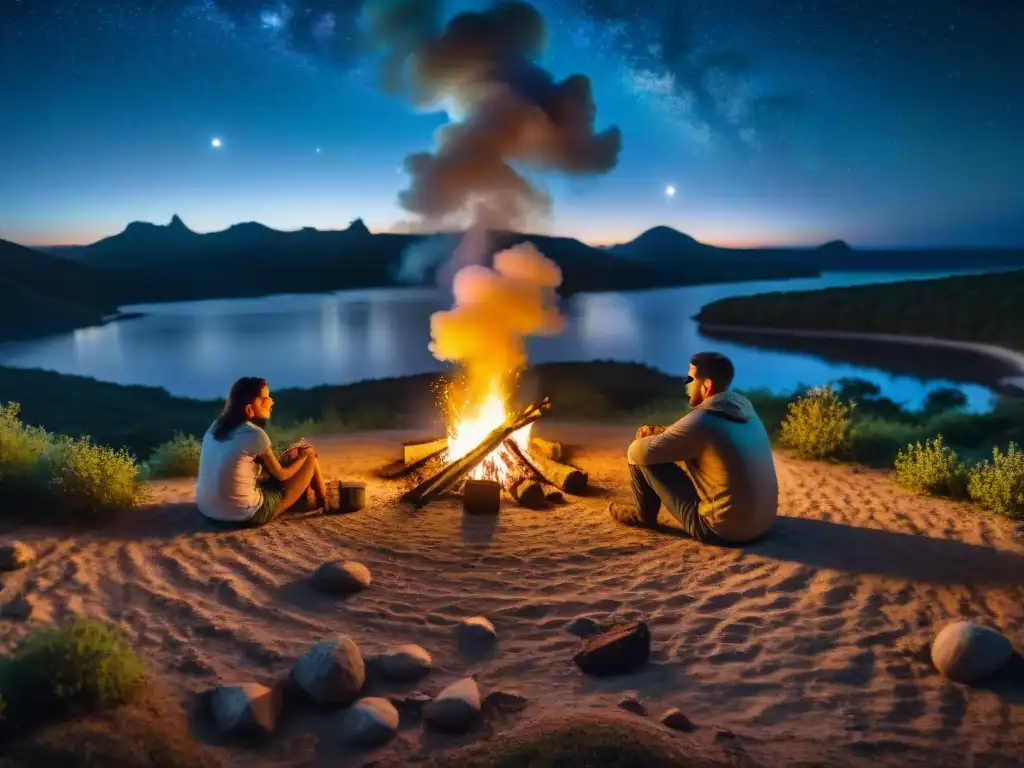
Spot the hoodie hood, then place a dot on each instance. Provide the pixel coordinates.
(729, 405)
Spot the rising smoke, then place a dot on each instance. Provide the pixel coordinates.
(509, 115)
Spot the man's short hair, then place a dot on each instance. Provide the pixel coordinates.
(715, 367)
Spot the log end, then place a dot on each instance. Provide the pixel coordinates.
(481, 497)
(529, 494)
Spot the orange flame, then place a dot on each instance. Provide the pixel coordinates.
(472, 424)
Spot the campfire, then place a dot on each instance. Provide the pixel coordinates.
(488, 455)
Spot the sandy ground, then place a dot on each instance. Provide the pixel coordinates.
(808, 644)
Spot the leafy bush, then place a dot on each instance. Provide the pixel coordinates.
(84, 665)
(876, 442)
(931, 468)
(178, 457)
(84, 480)
(20, 449)
(817, 424)
(999, 485)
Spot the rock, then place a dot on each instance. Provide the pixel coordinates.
(724, 734)
(15, 555)
(504, 703)
(18, 609)
(338, 578)
(403, 663)
(332, 672)
(583, 626)
(411, 704)
(245, 709)
(456, 708)
(969, 653)
(476, 630)
(676, 720)
(368, 723)
(634, 705)
(617, 651)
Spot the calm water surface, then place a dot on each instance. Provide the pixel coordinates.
(198, 348)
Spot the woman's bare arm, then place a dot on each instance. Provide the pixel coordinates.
(273, 467)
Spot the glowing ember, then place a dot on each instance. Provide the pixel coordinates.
(472, 425)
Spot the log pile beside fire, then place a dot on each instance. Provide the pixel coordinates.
(507, 462)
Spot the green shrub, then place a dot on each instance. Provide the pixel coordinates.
(876, 442)
(81, 480)
(20, 449)
(83, 666)
(931, 468)
(178, 457)
(817, 424)
(999, 485)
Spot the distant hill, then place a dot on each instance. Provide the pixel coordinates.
(42, 294)
(662, 244)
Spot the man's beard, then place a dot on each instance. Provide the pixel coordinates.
(261, 423)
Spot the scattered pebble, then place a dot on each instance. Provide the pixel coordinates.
(724, 734)
(456, 708)
(621, 649)
(476, 630)
(403, 663)
(332, 672)
(245, 709)
(676, 720)
(968, 653)
(634, 705)
(411, 704)
(341, 578)
(368, 723)
(583, 626)
(15, 555)
(504, 703)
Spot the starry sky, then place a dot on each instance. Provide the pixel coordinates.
(886, 123)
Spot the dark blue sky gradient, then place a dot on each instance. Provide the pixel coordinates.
(884, 123)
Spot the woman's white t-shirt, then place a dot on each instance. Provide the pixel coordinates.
(227, 487)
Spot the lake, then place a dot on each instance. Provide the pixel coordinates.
(198, 348)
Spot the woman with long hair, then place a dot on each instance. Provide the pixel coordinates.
(241, 480)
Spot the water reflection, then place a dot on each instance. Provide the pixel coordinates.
(198, 348)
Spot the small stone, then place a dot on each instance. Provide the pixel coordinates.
(676, 720)
(476, 630)
(368, 723)
(968, 653)
(18, 609)
(621, 649)
(504, 703)
(15, 555)
(724, 734)
(332, 672)
(341, 578)
(411, 704)
(246, 709)
(583, 626)
(404, 663)
(456, 708)
(634, 705)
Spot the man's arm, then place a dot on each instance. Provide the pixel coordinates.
(679, 442)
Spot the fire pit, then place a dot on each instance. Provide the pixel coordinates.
(504, 461)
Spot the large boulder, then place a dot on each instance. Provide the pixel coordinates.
(621, 649)
(332, 672)
(456, 708)
(368, 723)
(245, 709)
(969, 653)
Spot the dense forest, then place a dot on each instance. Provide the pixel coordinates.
(978, 308)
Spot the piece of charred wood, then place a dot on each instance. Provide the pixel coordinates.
(529, 493)
(434, 486)
(548, 448)
(481, 497)
(562, 476)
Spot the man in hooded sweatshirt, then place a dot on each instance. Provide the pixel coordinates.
(713, 469)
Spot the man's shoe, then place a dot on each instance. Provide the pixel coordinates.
(627, 514)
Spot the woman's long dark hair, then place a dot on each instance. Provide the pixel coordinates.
(243, 392)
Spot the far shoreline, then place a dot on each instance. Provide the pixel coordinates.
(1010, 358)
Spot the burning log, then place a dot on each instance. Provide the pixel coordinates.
(548, 448)
(569, 479)
(434, 486)
(412, 453)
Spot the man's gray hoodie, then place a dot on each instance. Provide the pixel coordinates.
(724, 448)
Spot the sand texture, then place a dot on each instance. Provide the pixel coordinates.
(810, 646)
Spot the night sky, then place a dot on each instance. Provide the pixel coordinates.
(885, 123)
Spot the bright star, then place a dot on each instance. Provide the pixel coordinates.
(215, 143)
(670, 191)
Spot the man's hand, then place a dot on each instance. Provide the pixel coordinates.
(648, 431)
